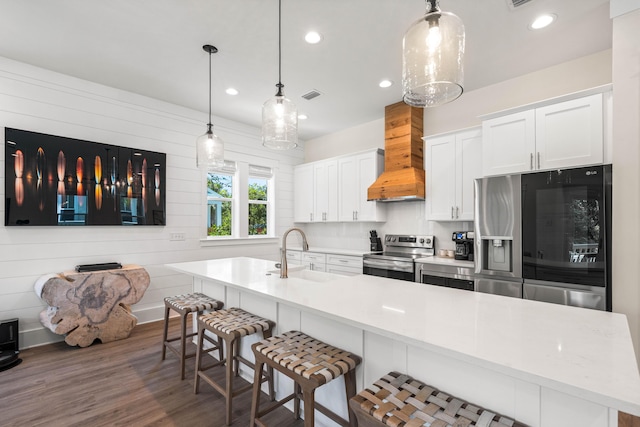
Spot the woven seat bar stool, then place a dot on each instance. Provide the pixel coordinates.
(400, 401)
(194, 303)
(310, 364)
(230, 325)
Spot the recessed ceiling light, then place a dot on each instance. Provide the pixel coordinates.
(313, 37)
(302, 117)
(385, 83)
(231, 91)
(542, 21)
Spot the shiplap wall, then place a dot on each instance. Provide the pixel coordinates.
(39, 100)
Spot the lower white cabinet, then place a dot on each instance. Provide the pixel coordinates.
(294, 257)
(347, 265)
(315, 261)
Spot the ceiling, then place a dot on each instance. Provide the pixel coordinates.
(154, 48)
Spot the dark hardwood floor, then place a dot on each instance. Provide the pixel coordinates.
(122, 383)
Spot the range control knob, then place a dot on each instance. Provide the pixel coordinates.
(388, 238)
(393, 239)
(428, 241)
(421, 240)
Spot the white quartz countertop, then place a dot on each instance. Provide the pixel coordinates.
(582, 352)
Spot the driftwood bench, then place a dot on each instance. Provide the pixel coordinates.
(94, 305)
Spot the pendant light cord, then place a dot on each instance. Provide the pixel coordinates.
(210, 124)
(279, 85)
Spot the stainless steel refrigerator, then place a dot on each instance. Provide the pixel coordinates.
(546, 236)
(497, 230)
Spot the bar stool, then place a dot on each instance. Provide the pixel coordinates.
(184, 305)
(230, 325)
(399, 400)
(309, 363)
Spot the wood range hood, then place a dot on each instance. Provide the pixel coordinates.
(403, 177)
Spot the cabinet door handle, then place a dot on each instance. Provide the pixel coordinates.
(538, 160)
(451, 212)
(311, 216)
(324, 216)
(457, 212)
(356, 215)
(343, 260)
(531, 161)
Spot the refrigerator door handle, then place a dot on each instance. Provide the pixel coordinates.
(477, 263)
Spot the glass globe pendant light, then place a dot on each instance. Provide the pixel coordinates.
(279, 114)
(209, 147)
(432, 58)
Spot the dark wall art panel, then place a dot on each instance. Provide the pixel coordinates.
(53, 180)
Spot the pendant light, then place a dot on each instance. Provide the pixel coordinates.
(433, 50)
(279, 114)
(209, 147)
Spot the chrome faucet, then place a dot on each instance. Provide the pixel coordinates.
(283, 251)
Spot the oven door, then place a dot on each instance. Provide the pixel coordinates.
(390, 268)
(446, 280)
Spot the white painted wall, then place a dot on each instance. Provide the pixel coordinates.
(626, 161)
(43, 101)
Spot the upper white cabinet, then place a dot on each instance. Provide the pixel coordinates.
(556, 135)
(315, 192)
(355, 174)
(336, 189)
(452, 162)
(303, 189)
(325, 181)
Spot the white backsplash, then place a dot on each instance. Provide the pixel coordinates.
(402, 218)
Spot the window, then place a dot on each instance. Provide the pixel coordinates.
(240, 201)
(220, 200)
(258, 195)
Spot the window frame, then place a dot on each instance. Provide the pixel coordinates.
(240, 205)
(232, 199)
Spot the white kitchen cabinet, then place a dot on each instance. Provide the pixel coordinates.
(314, 261)
(570, 133)
(325, 185)
(294, 257)
(303, 204)
(336, 189)
(355, 174)
(348, 265)
(344, 264)
(452, 162)
(552, 136)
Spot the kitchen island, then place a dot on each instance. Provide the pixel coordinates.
(543, 364)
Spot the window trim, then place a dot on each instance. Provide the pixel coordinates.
(240, 207)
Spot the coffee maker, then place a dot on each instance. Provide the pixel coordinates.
(464, 245)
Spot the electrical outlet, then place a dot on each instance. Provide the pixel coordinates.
(177, 236)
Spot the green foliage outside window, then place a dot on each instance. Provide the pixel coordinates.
(257, 211)
(223, 186)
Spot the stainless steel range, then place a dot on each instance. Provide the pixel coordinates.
(397, 261)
